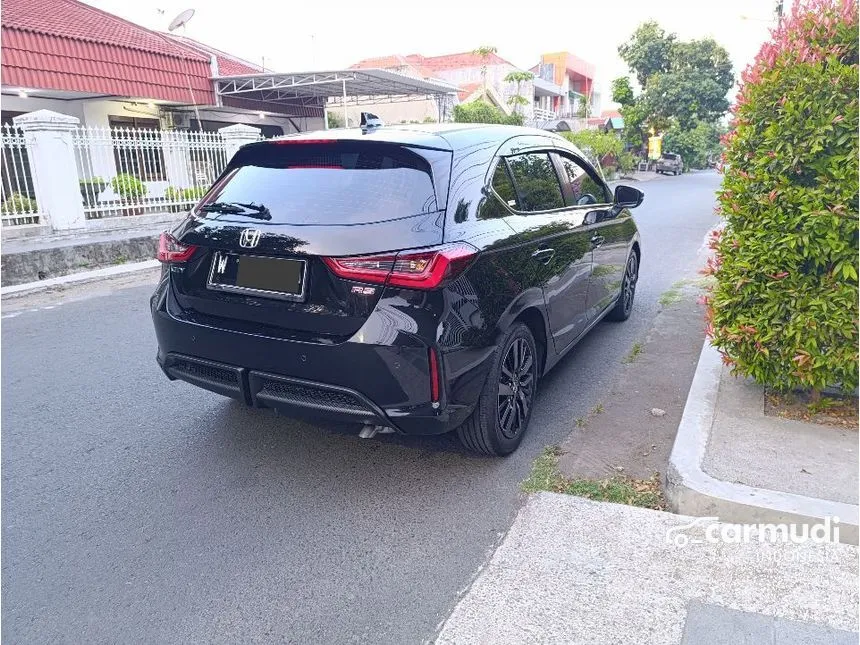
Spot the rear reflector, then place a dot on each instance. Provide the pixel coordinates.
(171, 250)
(434, 375)
(418, 269)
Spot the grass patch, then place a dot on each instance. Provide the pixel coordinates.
(633, 354)
(676, 292)
(545, 476)
(580, 422)
(597, 409)
(670, 297)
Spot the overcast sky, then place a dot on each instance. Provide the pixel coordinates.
(305, 35)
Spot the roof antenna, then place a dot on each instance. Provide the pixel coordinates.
(180, 21)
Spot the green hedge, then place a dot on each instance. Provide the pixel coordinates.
(482, 112)
(128, 186)
(784, 308)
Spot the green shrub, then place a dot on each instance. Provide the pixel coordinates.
(626, 162)
(90, 190)
(173, 194)
(694, 145)
(334, 120)
(483, 112)
(194, 193)
(784, 306)
(128, 186)
(18, 203)
(597, 145)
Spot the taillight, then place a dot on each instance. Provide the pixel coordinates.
(419, 269)
(172, 250)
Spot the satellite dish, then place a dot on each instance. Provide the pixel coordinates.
(180, 20)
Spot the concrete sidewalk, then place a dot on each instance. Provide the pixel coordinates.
(575, 571)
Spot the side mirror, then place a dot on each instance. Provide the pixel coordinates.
(628, 197)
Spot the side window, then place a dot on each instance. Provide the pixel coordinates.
(503, 186)
(491, 208)
(584, 188)
(536, 182)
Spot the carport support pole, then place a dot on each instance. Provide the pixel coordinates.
(345, 116)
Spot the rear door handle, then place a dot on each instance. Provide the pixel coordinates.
(597, 240)
(543, 255)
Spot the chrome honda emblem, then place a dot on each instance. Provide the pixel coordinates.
(249, 238)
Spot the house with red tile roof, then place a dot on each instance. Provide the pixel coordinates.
(73, 58)
(476, 77)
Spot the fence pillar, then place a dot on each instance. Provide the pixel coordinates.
(177, 158)
(52, 163)
(236, 136)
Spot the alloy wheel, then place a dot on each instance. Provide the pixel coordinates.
(516, 387)
(631, 275)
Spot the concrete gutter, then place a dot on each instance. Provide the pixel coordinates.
(692, 491)
(76, 278)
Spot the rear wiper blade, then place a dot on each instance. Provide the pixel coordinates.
(238, 208)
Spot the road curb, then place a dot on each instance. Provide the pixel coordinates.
(692, 491)
(83, 277)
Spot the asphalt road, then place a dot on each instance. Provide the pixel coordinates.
(136, 510)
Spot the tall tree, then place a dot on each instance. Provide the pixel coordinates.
(648, 52)
(485, 51)
(622, 92)
(518, 77)
(684, 83)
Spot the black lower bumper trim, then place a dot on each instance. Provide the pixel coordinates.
(292, 394)
(216, 377)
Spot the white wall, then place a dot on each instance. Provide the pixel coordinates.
(31, 104)
(496, 79)
(390, 113)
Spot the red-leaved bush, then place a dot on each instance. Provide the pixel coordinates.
(784, 306)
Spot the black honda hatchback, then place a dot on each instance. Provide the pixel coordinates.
(420, 279)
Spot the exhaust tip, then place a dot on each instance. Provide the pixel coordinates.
(369, 431)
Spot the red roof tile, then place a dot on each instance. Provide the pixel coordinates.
(427, 66)
(67, 45)
(228, 65)
(467, 90)
(466, 59)
(381, 62)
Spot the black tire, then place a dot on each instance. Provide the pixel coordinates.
(624, 305)
(484, 432)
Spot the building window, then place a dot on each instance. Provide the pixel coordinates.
(137, 147)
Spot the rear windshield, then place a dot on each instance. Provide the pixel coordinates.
(327, 183)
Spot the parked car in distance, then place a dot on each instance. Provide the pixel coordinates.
(420, 279)
(670, 162)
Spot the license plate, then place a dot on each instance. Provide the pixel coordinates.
(282, 278)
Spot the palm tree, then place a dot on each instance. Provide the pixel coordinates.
(484, 51)
(518, 77)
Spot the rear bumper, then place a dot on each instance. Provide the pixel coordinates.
(292, 396)
(351, 382)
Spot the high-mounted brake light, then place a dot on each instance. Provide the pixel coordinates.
(172, 250)
(292, 142)
(418, 269)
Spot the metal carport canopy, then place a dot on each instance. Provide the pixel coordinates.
(362, 86)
